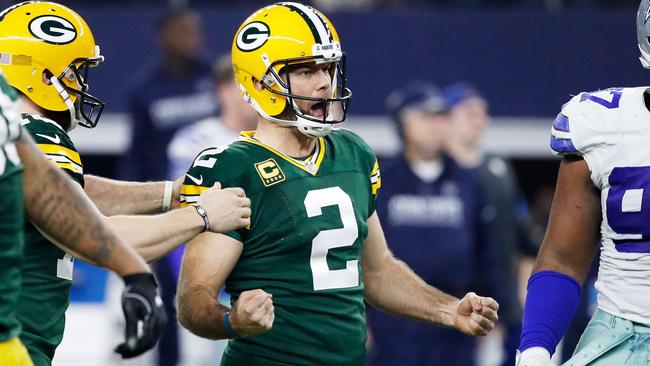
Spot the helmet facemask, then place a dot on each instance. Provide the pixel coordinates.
(335, 106)
(340, 93)
(643, 32)
(86, 109)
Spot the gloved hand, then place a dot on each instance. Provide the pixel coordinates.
(534, 356)
(144, 314)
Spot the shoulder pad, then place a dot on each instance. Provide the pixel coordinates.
(370, 159)
(586, 122)
(38, 121)
(353, 138)
(54, 142)
(218, 164)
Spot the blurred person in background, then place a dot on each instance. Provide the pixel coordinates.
(504, 230)
(430, 210)
(235, 115)
(172, 93)
(52, 81)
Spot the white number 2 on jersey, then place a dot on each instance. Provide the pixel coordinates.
(64, 267)
(324, 278)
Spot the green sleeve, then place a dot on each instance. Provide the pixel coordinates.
(210, 166)
(55, 143)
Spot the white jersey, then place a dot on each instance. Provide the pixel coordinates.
(610, 129)
(191, 140)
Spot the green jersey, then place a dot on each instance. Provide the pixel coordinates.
(9, 130)
(303, 246)
(47, 270)
(11, 212)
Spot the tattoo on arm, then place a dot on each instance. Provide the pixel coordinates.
(66, 215)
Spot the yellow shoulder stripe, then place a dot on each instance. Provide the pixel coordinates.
(60, 150)
(376, 186)
(375, 178)
(375, 168)
(192, 190)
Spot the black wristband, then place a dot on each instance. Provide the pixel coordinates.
(204, 215)
(227, 326)
(139, 277)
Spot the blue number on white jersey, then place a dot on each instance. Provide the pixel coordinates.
(628, 208)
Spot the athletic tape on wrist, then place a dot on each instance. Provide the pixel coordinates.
(167, 196)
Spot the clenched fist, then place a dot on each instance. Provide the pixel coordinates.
(476, 315)
(252, 313)
(227, 209)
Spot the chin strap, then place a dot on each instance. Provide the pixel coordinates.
(66, 99)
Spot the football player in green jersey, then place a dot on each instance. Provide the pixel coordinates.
(61, 210)
(299, 274)
(46, 51)
(12, 352)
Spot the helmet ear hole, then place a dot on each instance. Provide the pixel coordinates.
(258, 84)
(47, 75)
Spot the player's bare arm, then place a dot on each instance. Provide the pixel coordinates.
(568, 248)
(393, 287)
(59, 207)
(571, 238)
(209, 259)
(153, 236)
(114, 197)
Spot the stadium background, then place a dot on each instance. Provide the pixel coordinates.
(526, 58)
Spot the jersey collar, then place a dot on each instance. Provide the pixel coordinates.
(311, 164)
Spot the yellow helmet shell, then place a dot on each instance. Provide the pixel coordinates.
(276, 33)
(38, 36)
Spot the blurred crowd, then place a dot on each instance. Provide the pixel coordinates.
(379, 4)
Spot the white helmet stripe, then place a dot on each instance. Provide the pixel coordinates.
(314, 18)
(6, 11)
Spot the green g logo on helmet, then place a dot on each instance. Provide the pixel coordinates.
(53, 29)
(253, 36)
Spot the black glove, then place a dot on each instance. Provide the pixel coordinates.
(143, 311)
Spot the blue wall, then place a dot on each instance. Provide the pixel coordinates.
(528, 63)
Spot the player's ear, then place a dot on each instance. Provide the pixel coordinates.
(258, 84)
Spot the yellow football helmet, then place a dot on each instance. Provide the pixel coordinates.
(44, 40)
(281, 35)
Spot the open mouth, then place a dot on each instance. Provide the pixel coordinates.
(318, 110)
